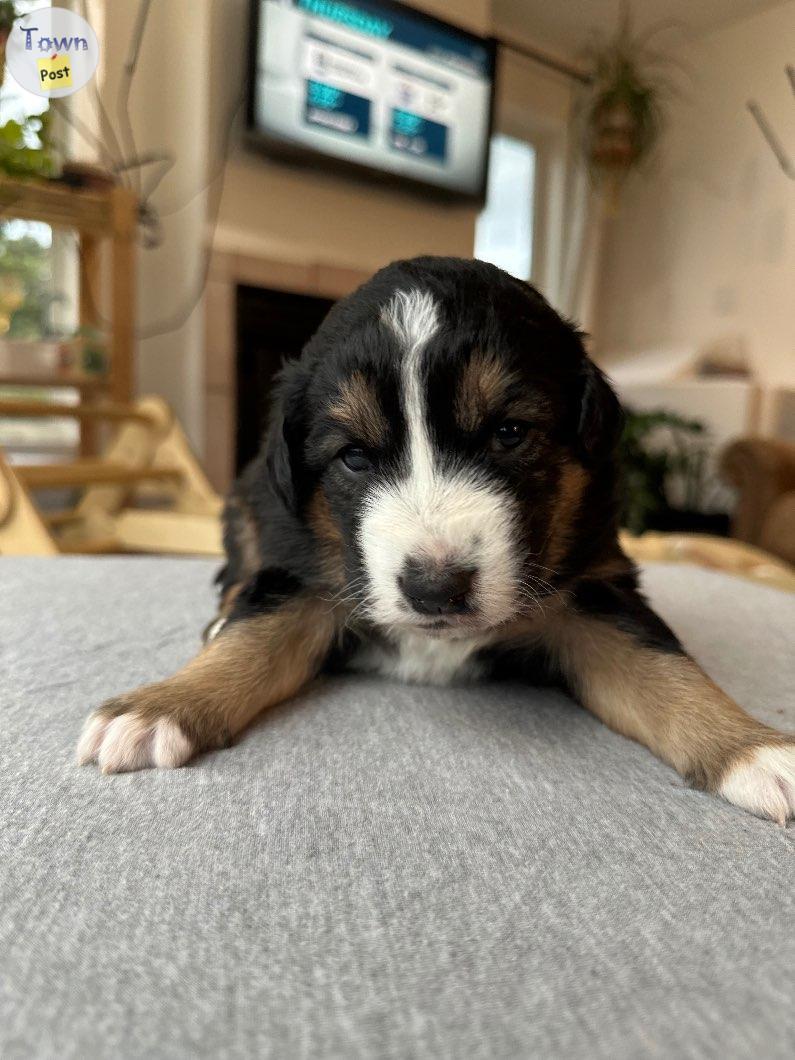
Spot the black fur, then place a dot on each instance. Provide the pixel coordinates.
(266, 591)
(621, 603)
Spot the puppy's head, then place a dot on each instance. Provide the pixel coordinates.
(446, 431)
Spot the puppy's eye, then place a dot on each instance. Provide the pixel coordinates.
(511, 433)
(355, 458)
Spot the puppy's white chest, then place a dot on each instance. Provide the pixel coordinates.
(422, 659)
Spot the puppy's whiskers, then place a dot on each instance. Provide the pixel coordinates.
(349, 591)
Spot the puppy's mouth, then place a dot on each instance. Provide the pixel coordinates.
(449, 627)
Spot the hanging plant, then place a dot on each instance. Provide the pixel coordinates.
(625, 109)
(8, 14)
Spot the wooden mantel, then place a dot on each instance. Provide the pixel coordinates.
(229, 269)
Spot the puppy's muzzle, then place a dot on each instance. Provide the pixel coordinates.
(431, 589)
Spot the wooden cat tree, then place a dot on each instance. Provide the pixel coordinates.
(142, 491)
(146, 493)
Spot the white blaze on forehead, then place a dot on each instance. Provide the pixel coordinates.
(431, 512)
(414, 318)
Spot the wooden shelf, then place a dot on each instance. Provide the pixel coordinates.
(89, 473)
(102, 546)
(107, 412)
(57, 204)
(107, 293)
(73, 380)
(64, 517)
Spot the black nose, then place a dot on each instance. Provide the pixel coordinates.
(435, 590)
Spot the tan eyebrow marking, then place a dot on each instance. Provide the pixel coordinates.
(357, 408)
(481, 389)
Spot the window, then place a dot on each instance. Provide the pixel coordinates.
(37, 303)
(30, 300)
(26, 267)
(26, 280)
(504, 231)
(15, 102)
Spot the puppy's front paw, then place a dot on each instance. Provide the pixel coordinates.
(763, 782)
(135, 731)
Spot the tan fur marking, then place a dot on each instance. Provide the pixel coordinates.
(612, 565)
(357, 408)
(571, 486)
(241, 523)
(664, 701)
(330, 538)
(244, 527)
(229, 597)
(481, 389)
(253, 664)
(528, 408)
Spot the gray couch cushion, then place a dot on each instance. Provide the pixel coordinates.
(378, 870)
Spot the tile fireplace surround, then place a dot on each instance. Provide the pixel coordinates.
(228, 270)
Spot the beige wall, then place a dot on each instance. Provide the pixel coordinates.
(704, 244)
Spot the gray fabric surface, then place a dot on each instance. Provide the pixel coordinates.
(378, 870)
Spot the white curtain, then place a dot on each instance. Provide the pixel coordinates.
(580, 236)
(539, 104)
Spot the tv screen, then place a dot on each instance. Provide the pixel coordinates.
(375, 85)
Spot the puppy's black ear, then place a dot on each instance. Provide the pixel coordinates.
(286, 436)
(601, 416)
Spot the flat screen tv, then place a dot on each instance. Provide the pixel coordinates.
(375, 86)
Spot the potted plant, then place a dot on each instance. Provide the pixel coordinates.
(92, 351)
(8, 14)
(624, 109)
(25, 149)
(666, 474)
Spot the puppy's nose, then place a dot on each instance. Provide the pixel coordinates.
(437, 590)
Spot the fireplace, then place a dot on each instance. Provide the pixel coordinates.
(271, 326)
(258, 310)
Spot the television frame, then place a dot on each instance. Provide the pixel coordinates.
(299, 154)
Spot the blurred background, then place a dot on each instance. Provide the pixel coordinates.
(172, 230)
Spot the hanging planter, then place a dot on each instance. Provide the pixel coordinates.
(8, 14)
(624, 128)
(624, 113)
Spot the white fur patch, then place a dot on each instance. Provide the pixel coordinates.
(420, 659)
(214, 629)
(126, 743)
(90, 739)
(433, 513)
(414, 318)
(764, 784)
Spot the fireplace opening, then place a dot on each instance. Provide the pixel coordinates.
(272, 326)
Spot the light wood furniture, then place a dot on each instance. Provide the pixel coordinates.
(714, 553)
(97, 216)
(762, 471)
(146, 493)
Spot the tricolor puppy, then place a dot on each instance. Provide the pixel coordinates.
(436, 500)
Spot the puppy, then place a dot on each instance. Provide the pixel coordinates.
(436, 500)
